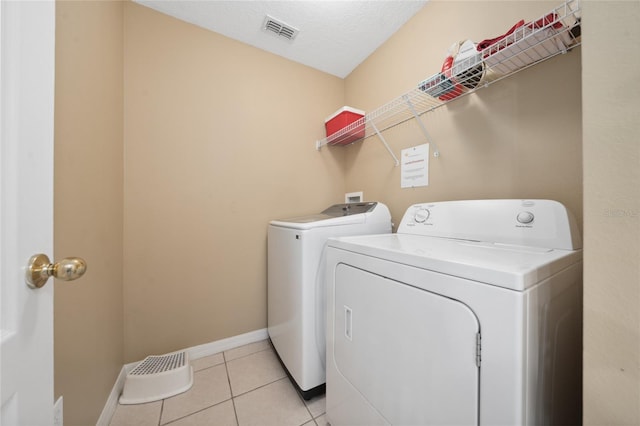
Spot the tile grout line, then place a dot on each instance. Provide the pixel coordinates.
(313, 419)
(244, 356)
(196, 412)
(285, 377)
(161, 410)
(209, 406)
(260, 387)
(232, 397)
(225, 361)
(271, 348)
(224, 358)
(233, 402)
(270, 383)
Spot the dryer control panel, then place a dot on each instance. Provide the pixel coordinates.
(534, 223)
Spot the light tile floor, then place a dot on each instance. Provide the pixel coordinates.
(240, 387)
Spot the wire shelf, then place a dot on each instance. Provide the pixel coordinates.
(556, 32)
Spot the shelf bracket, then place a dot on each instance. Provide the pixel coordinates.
(384, 142)
(436, 152)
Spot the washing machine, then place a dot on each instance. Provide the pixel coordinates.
(469, 315)
(296, 294)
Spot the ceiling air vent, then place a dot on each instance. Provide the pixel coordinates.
(279, 28)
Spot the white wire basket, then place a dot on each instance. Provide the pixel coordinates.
(554, 33)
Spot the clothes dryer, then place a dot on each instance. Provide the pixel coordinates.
(296, 291)
(470, 314)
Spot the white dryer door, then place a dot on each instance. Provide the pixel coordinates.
(409, 352)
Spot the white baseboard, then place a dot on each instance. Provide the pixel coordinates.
(194, 352)
(112, 402)
(218, 346)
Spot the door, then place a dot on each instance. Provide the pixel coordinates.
(410, 353)
(27, 34)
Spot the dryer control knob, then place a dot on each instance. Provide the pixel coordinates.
(421, 215)
(525, 217)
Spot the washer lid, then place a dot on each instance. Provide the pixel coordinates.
(335, 215)
(504, 265)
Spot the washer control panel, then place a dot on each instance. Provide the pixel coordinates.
(538, 223)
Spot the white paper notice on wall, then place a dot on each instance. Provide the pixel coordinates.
(415, 166)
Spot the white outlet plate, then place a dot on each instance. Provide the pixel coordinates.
(353, 197)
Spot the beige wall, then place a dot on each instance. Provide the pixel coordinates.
(88, 321)
(519, 138)
(612, 213)
(219, 139)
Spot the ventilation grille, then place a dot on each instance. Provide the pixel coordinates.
(158, 377)
(279, 28)
(159, 364)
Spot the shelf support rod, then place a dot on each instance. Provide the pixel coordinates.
(384, 142)
(436, 152)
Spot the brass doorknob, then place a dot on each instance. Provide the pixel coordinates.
(40, 269)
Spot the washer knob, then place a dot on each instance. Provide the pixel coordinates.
(421, 215)
(525, 217)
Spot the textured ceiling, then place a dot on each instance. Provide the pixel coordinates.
(334, 36)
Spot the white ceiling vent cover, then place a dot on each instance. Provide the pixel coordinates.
(158, 377)
(279, 28)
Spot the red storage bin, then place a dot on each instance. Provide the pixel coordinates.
(342, 118)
